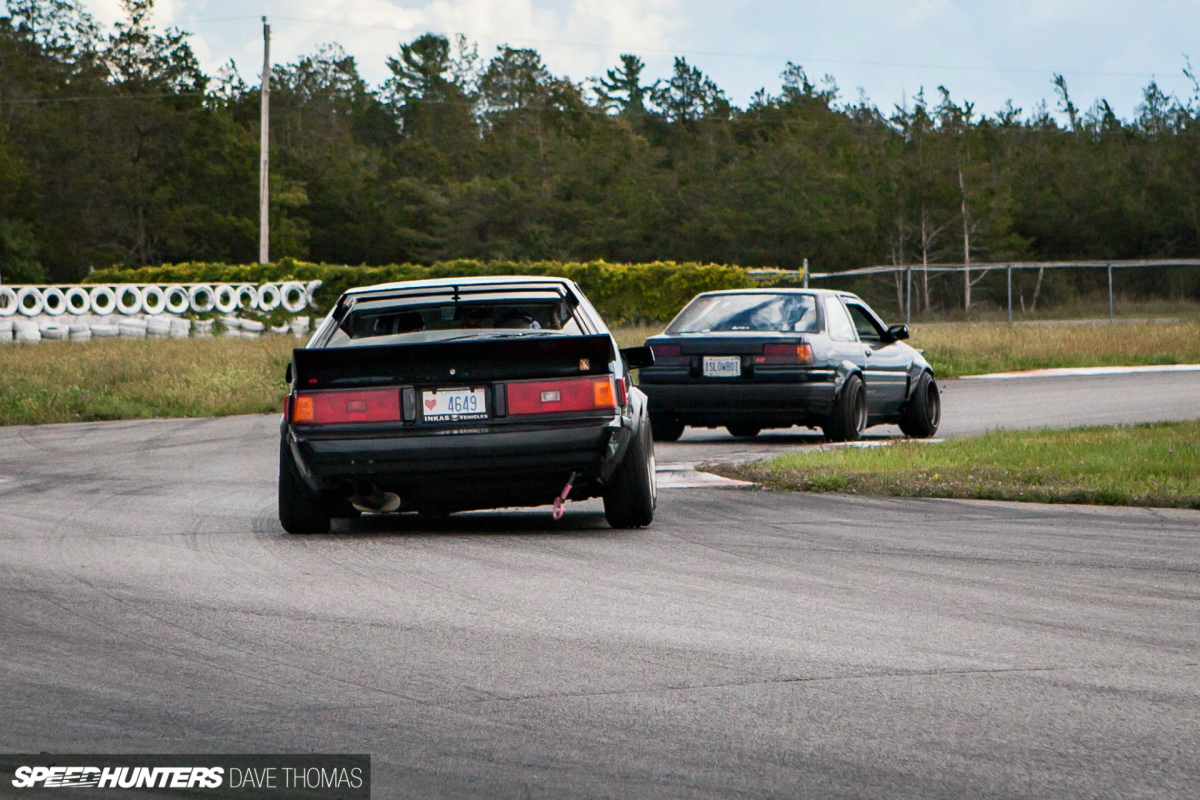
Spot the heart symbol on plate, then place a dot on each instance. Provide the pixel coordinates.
(430, 404)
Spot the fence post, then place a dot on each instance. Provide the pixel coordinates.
(1008, 271)
(1110, 297)
(908, 294)
(806, 273)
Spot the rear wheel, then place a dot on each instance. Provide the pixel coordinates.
(666, 429)
(923, 413)
(743, 430)
(632, 492)
(849, 417)
(301, 510)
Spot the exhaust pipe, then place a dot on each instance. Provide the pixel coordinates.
(370, 499)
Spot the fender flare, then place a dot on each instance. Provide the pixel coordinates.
(841, 374)
(914, 376)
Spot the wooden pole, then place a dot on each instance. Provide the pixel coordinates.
(1008, 270)
(264, 146)
(1110, 294)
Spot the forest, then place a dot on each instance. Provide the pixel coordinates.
(117, 149)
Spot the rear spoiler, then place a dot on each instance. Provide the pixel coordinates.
(452, 362)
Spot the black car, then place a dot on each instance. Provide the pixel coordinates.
(447, 395)
(774, 358)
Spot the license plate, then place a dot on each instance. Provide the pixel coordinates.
(722, 366)
(453, 405)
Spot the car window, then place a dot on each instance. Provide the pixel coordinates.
(864, 323)
(442, 318)
(748, 312)
(841, 329)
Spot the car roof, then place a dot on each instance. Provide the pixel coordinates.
(832, 292)
(450, 283)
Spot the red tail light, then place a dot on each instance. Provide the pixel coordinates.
(785, 354)
(661, 350)
(560, 396)
(331, 408)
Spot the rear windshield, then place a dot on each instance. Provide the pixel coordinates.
(748, 312)
(441, 318)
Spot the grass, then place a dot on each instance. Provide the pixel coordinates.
(975, 348)
(1141, 465)
(123, 379)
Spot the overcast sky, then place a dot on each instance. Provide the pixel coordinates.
(985, 52)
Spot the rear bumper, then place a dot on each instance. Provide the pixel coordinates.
(771, 401)
(464, 468)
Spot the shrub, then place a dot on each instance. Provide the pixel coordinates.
(623, 293)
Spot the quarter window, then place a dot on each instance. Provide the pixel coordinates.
(841, 329)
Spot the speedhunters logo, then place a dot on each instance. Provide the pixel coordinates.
(119, 777)
(258, 776)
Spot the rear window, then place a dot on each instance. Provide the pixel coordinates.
(748, 312)
(441, 318)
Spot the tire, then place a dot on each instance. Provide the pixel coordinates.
(301, 510)
(666, 429)
(632, 493)
(744, 430)
(849, 418)
(923, 413)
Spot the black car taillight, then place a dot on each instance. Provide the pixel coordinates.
(343, 407)
(785, 354)
(668, 354)
(561, 396)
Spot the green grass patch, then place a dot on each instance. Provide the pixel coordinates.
(1140, 465)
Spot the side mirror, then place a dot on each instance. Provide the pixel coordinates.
(637, 357)
(287, 374)
(897, 333)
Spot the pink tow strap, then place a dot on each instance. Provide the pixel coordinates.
(559, 508)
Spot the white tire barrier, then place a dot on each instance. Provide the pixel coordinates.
(80, 332)
(202, 298)
(247, 296)
(178, 299)
(308, 292)
(6, 330)
(293, 296)
(30, 336)
(252, 326)
(281, 330)
(102, 331)
(29, 301)
(158, 328)
(78, 300)
(300, 326)
(104, 301)
(54, 302)
(226, 298)
(203, 327)
(268, 297)
(133, 328)
(129, 299)
(154, 300)
(52, 331)
(8, 301)
(180, 328)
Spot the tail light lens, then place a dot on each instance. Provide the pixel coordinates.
(562, 396)
(785, 354)
(331, 408)
(667, 354)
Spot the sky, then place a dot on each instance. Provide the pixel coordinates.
(984, 52)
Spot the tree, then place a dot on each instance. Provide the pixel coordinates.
(689, 95)
(622, 87)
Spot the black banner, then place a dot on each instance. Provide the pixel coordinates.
(305, 776)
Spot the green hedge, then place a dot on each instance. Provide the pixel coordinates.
(623, 293)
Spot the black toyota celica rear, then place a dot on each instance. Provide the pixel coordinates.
(773, 358)
(449, 395)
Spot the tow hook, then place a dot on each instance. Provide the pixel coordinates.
(558, 511)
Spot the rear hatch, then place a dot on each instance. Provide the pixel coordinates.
(726, 356)
(467, 383)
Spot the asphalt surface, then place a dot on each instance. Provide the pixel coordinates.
(748, 644)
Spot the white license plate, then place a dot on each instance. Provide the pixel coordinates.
(722, 366)
(452, 405)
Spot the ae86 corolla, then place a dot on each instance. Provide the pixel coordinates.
(448, 395)
(770, 358)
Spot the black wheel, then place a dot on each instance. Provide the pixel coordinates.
(301, 510)
(666, 429)
(632, 492)
(849, 417)
(923, 414)
(743, 430)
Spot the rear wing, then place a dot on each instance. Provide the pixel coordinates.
(453, 362)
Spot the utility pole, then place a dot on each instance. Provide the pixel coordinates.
(264, 238)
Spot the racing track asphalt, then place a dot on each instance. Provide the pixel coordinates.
(748, 644)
